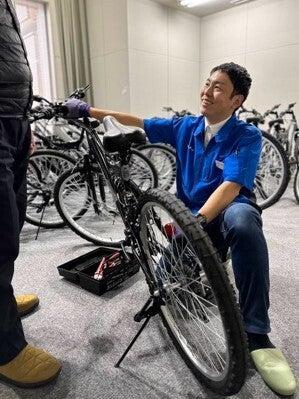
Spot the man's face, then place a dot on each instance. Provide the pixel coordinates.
(217, 101)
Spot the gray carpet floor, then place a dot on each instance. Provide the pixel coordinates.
(88, 333)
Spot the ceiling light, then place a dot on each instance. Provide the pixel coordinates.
(235, 2)
(192, 3)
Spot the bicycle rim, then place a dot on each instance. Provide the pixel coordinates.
(273, 173)
(194, 302)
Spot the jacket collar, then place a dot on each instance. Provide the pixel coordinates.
(223, 133)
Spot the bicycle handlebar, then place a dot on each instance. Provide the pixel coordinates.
(47, 112)
(252, 111)
(40, 99)
(291, 106)
(80, 93)
(179, 114)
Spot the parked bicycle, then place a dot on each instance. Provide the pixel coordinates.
(45, 166)
(273, 172)
(188, 286)
(285, 129)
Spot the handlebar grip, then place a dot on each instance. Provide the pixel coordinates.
(80, 92)
(291, 106)
(37, 98)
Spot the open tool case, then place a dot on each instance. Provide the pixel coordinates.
(81, 270)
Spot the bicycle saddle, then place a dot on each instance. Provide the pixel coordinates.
(274, 121)
(119, 137)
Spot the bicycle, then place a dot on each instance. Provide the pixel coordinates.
(83, 196)
(191, 292)
(285, 129)
(273, 173)
(45, 166)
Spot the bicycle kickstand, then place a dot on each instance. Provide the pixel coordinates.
(45, 204)
(150, 309)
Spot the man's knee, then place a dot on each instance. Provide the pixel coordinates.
(242, 219)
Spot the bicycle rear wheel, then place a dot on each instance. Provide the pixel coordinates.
(200, 313)
(163, 158)
(142, 171)
(75, 202)
(86, 203)
(44, 168)
(273, 172)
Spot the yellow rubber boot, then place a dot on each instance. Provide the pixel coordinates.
(26, 303)
(32, 367)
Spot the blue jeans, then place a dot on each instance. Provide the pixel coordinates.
(239, 227)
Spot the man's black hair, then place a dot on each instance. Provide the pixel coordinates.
(238, 75)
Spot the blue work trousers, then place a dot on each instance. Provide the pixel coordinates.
(239, 227)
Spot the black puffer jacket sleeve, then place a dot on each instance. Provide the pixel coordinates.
(15, 74)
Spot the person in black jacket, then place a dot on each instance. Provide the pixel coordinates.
(20, 363)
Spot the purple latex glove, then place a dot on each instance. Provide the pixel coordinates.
(77, 108)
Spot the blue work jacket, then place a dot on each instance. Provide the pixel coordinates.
(231, 155)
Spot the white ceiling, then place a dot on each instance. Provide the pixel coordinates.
(208, 7)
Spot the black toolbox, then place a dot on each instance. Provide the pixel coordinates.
(81, 270)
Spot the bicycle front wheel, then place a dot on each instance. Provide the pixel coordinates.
(200, 312)
(273, 172)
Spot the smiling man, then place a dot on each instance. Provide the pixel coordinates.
(217, 159)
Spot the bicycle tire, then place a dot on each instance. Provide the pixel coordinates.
(296, 185)
(261, 179)
(75, 204)
(38, 180)
(150, 165)
(232, 378)
(162, 155)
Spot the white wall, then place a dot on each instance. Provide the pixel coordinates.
(143, 56)
(163, 58)
(108, 40)
(262, 35)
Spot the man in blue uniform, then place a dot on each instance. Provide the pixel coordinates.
(217, 159)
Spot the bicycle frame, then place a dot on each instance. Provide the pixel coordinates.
(115, 169)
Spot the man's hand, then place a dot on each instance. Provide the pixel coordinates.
(32, 146)
(77, 108)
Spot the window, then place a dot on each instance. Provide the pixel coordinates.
(33, 22)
